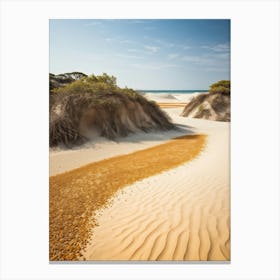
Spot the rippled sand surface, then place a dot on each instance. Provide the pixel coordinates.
(74, 195)
(181, 214)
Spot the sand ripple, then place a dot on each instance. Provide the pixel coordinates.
(181, 214)
(74, 196)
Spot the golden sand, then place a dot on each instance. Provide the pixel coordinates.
(76, 194)
(182, 214)
(171, 105)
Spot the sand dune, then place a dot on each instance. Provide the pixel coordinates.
(84, 109)
(160, 96)
(182, 214)
(171, 98)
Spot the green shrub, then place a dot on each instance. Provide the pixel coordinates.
(222, 87)
(103, 84)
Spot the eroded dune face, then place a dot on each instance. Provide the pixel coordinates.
(78, 118)
(214, 107)
(60, 80)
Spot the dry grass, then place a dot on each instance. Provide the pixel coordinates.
(112, 115)
(75, 195)
(210, 106)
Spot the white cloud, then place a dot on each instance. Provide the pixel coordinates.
(155, 66)
(225, 55)
(199, 60)
(164, 44)
(209, 59)
(133, 50)
(108, 40)
(152, 49)
(127, 42)
(218, 47)
(172, 56)
(130, 56)
(216, 69)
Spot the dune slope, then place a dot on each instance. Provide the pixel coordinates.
(210, 106)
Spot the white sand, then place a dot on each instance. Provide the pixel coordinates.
(181, 214)
(170, 98)
(65, 160)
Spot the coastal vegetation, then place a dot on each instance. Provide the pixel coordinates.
(214, 105)
(222, 87)
(84, 107)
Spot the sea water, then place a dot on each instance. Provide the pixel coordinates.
(162, 91)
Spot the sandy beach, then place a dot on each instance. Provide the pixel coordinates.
(176, 211)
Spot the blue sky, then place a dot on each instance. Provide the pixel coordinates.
(144, 54)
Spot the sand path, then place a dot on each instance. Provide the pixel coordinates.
(74, 195)
(182, 214)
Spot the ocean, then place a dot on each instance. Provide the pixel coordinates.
(183, 91)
